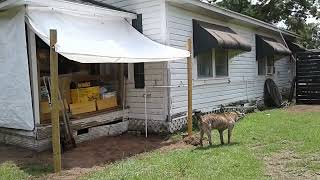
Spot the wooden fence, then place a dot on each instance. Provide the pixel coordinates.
(308, 78)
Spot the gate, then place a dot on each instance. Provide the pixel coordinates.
(308, 78)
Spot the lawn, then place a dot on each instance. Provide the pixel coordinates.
(270, 144)
(266, 145)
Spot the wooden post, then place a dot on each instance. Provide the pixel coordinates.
(55, 103)
(190, 89)
(121, 81)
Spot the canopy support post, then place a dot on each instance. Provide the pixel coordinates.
(145, 112)
(55, 103)
(189, 89)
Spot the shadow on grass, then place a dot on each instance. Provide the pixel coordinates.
(37, 170)
(216, 146)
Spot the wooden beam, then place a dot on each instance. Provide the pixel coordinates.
(55, 103)
(121, 81)
(190, 88)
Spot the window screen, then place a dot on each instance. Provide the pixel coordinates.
(204, 63)
(221, 62)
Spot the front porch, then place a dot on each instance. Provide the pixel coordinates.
(109, 123)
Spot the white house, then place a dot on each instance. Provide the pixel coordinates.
(232, 56)
(236, 76)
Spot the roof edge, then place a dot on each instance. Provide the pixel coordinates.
(67, 5)
(235, 15)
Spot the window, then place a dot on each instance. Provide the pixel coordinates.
(262, 66)
(204, 63)
(139, 75)
(221, 62)
(266, 66)
(270, 65)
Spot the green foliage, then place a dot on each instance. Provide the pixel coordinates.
(310, 36)
(293, 13)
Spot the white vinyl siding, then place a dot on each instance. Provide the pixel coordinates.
(242, 82)
(155, 73)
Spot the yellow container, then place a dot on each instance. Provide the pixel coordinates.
(84, 107)
(85, 94)
(106, 103)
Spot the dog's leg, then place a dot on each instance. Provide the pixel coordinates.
(208, 132)
(201, 137)
(221, 136)
(229, 134)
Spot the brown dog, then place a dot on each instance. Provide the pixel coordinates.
(220, 122)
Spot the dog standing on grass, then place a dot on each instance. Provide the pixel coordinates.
(220, 122)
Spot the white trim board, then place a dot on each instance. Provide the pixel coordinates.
(67, 5)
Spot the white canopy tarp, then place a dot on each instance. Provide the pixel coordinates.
(98, 40)
(15, 97)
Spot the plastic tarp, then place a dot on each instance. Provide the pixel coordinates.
(15, 97)
(88, 39)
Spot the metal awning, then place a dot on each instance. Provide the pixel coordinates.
(295, 47)
(269, 47)
(208, 36)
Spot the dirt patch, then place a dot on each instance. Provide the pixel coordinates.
(89, 155)
(192, 140)
(304, 108)
(287, 165)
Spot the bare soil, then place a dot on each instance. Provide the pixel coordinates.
(287, 165)
(304, 108)
(89, 155)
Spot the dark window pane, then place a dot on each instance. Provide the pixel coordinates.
(262, 66)
(270, 65)
(221, 62)
(204, 63)
(139, 75)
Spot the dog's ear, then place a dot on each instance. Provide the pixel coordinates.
(240, 114)
(222, 109)
(197, 112)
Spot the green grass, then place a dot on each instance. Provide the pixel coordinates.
(10, 171)
(259, 135)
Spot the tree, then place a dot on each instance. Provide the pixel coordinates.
(310, 36)
(293, 13)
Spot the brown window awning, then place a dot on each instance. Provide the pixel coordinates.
(208, 36)
(295, 47)
(269, 47)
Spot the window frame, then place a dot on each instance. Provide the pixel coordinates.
(213, 59)
(266, 59)
(228, 68)
(212, 67)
